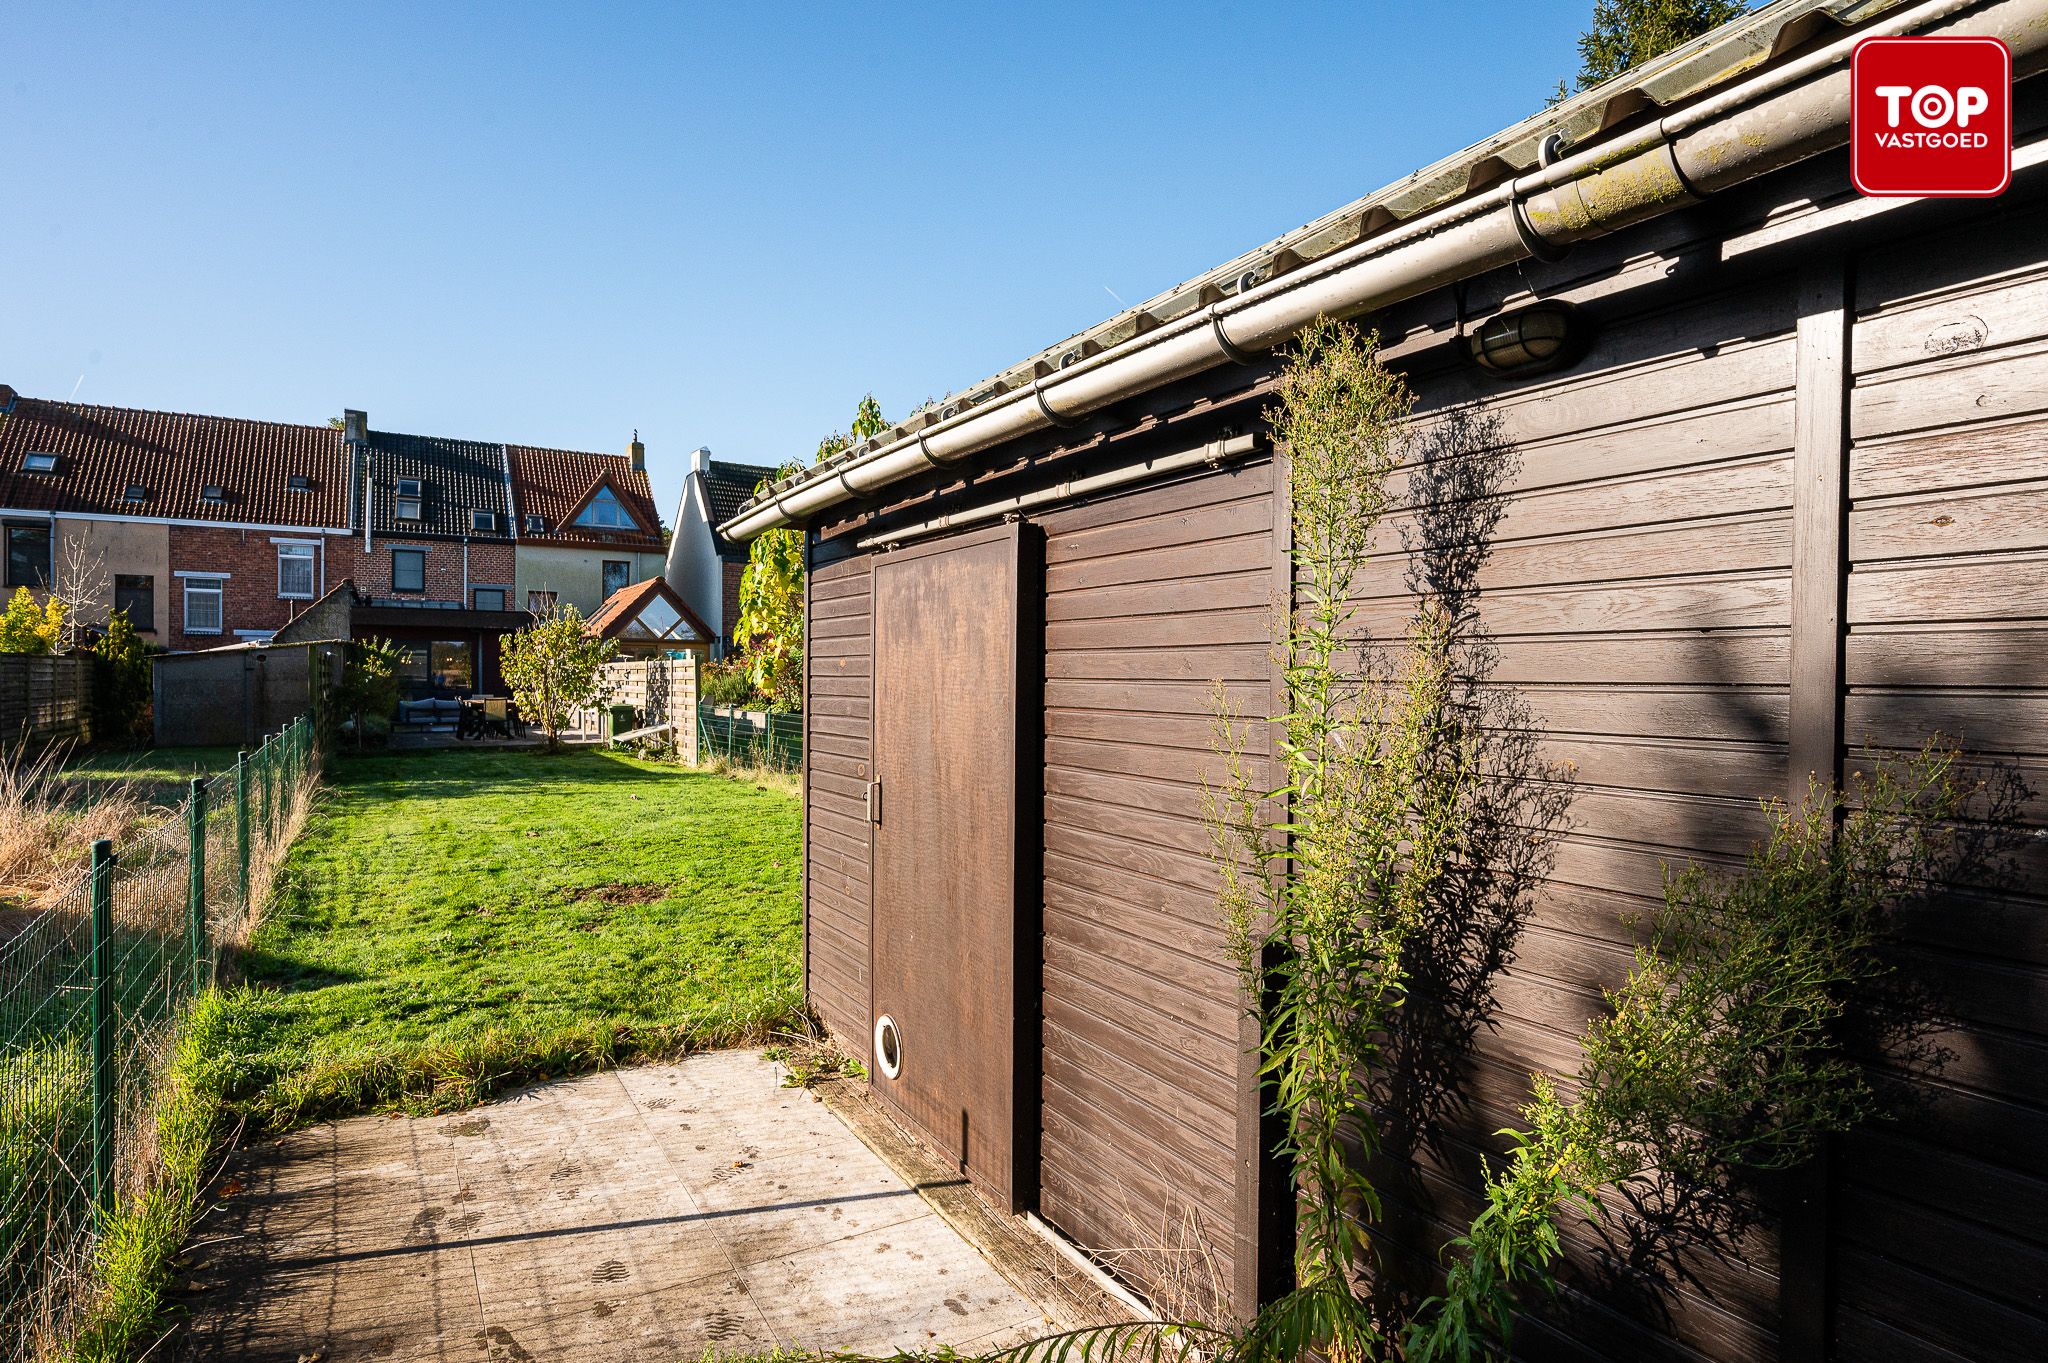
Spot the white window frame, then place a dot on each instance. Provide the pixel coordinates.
(408, 502)
(197, 585)
(485, 521)
(297, 553)
(38, 461)
(607, 498)
(397, 590)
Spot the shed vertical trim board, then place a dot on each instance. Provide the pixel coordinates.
(1814, 742)
(804, 776)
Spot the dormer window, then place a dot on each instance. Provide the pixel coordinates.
(536, 525)
(213, 492)
(136, 493)
(34, 462)
(406, 499)
(298, 482)
(485, 521)
(606, 513)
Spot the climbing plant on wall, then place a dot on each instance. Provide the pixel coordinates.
(1734, 1043)
(770, 627)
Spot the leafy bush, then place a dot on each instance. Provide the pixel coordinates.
(729, 681)
(555, 667)
(368, 687)
(31, 627)
(1727, 1045)
(121, 689)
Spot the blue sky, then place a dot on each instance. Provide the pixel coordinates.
(720, 224)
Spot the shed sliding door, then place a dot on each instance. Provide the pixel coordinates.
(954, 968)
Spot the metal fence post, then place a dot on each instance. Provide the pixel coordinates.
(242, 822)
(195, 881)
(102, 1026)
(266, 763)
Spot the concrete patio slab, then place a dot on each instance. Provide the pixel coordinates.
(643, 1214)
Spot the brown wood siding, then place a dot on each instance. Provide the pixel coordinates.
(838, 861)
(1154, 598)
(1938, 1232)
(1675, 522)
(1639, 592)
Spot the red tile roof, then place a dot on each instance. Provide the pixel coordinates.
(623, 606)
(171, 456)
(557, 484)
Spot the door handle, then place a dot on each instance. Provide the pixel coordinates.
(875, 802)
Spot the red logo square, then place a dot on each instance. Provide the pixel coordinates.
(1930, 118)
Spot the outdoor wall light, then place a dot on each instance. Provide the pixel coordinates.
(1530, 340)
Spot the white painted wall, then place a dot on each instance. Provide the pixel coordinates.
(693, 568)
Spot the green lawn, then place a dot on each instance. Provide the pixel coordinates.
(158, 776)
(455, 922)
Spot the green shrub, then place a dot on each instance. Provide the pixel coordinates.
(121, 683)
(1726, 1048)
(729, 681)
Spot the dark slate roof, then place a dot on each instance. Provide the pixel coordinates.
(557, 484)
(456, 477)
(171, 457)
(727, 486)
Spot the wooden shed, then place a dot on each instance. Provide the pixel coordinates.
(1784, 506)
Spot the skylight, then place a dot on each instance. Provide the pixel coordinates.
(213, 492)
(298, 482)
(605, 513)
(483, 520)
(536, 524)
(33, 462)
(136, 493)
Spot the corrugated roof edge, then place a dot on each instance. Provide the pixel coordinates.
(1687, 71)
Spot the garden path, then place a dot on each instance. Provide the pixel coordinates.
(647, 1213)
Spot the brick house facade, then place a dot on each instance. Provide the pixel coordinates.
(261, 577)
(216, 530)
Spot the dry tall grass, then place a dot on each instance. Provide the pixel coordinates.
(48, 826)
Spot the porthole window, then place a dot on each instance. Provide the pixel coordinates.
(888, 1047)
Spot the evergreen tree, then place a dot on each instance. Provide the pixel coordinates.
(1627, 33)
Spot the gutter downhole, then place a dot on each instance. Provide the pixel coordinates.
(888, 1047)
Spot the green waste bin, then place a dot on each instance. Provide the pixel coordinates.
(621, 719)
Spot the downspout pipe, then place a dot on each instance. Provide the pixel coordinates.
(1751, 128)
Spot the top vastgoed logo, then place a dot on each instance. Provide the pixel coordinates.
(1931, 117)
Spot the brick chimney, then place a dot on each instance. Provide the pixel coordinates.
(7, 396)
(638, 453)
(355, 427)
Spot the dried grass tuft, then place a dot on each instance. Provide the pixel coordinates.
(48, 825)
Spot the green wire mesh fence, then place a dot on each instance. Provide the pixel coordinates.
(92, 983)
(750, 738)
